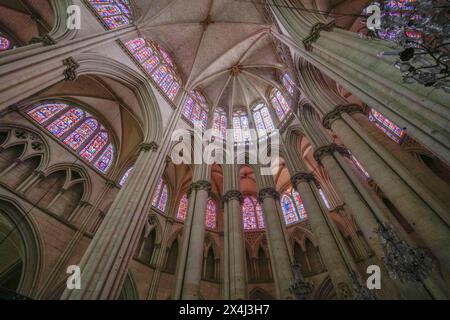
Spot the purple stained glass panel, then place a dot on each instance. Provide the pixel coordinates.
(210, 220)
(125, 177)
(95, 146)
(182, 208)
(67, 121)
(46, 111)
(81, 134)
(104, 162)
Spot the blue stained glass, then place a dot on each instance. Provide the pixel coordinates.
(67, 121)
(81, 134)
(104, 162)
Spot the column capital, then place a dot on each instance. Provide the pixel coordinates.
(70, 73)
(314, 34)
(302, 177)
(46, 40)
(268, 192)
(147, 146)
(322, 151)
(233, 195)
(201, 185)
(336, 113)
(110, 183)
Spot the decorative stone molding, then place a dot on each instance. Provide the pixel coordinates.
(201, 185)
(302, 177)
(233, 195)
(153, 146)
(46, 40)
(345, 293)
(110, 183)
(329, 150)
(268, 192)
(314, 35)
(336, 113)
(71, 71)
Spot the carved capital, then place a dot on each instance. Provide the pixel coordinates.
(110, 183)
(153, 146)
(314, 35)
(329, 150)
(336, 113)
(268, 192)
(71, 69)
(233, 195)
(201, 185)
(302, 177)
(46, 40)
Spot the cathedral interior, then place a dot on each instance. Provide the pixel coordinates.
(87, 116)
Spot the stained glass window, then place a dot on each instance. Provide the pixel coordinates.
(388, 127)
(252, 214)
(359, 167)
(263, 120)
(280, 104)
(288, 83)
(324, 198)
(5, 43)
(81, 134)
(220, 123)
(161, 196)
(113, 13)
(210, 220)
(241, 126)
(66, 122)
(46, 111)
(94, 147)
(292, 206)
(78, 130)
(125, 176)
(183, 208)
(105, 160)
(196, 110)
(157, 63)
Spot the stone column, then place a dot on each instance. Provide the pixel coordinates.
(428, 224)
(354, 63)
(280, 255)
(333, 252)
(235, 282)
(105, 263)
(189, 267)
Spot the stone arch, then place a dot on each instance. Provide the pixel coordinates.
(91, 63)
(129, 289)
(31, 246)
(325, 291)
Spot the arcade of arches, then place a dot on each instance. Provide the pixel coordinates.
(86, 119)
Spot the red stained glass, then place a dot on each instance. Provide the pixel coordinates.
(66, 122)
(104, 162)
(210, 219)
(91, 151)
(125, 176)
(252, 214)
(81, 134)
(388, 127)
(46, 111)
(161, 196)
(183, 208)
(113, 13)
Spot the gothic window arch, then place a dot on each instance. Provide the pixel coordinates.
(388, 127)
(252, 214)
(292, 206)
(160, 196)
(241, 126)
(125, 176)
(288, 83)
(113, 13)
(157, 63)
(220, 123)
(78, 130)
(263, 120)
(211, 212)
(280, 104)
(196, 110)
